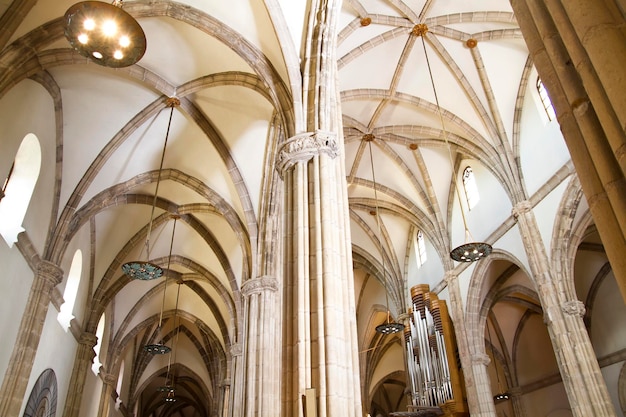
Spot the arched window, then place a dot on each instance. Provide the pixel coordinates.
(18, 188)
(99, 334)
(71, 289)
(545, 100)
(420, 248)
(469, 185)
(118, 387)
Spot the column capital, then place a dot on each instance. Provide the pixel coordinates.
(573, 308)
(107, 378)
(88, 339)
(481, 359)
(236, 349)
(49, 272)
(403, 317)
(304, 146)
(521, 208)
(258, 285)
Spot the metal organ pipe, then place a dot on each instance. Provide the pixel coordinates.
(428, 365)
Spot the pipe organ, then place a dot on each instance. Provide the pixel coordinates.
(435, 377)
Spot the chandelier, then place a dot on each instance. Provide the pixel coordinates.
(471, 250)
(389, 326)
(145, 270)
(104, 33)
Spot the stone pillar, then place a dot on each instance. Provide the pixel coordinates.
(20, 365)
(106, 396)
(262, 375)
(577, 362)
(236, 397)
(82, 364)
(516, 402)
(578, 48)
(321, 350)
(484, 395)
(476, 407)
(225, 400)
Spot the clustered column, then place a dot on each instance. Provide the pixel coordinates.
(261, 345)
(320, 341)
(20, 365)
(577, 362)
(106, 397)
(474, 389)
(485, 406)
(82, 363)
(579, 49)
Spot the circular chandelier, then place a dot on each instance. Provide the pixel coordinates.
(105, 33)
(157, 349)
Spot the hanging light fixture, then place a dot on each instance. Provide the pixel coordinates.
(160, 348)
(470, 251)
(501, 396)
(105, 33)
(169, 388)
(389, 326)
(144, 270)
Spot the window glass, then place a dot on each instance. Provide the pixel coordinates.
(545, 100)
(469, 185)
(99, 334)
(420, 248)
(18, 186)
(71, 289)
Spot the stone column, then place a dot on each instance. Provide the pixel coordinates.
(472, 386)
(585, 387)
(484, 396)
(108, 387)
(262, 375)
(516, 402)
(82, 364)
(236, 398)
(20, 365)
(578, 49)
(225, 400)
(320, 338)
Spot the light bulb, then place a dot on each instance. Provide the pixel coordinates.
(109, 28)
(89, 24)
(118, 54)
(124, 41)
(97, 54)
(83, 38)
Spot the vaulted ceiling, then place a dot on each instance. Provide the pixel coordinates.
(234, 67)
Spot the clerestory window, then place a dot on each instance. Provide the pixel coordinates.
(18, 188)
(420, 246)
(545, 100)
(470, 187)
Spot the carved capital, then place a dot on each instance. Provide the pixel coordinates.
(481, 359)
(403, 317)
(521, 208)
(108, 379)
(304, 147)
(258, 285)
(236, 349)
(573, 308)
(88, 339)
(49, 272)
